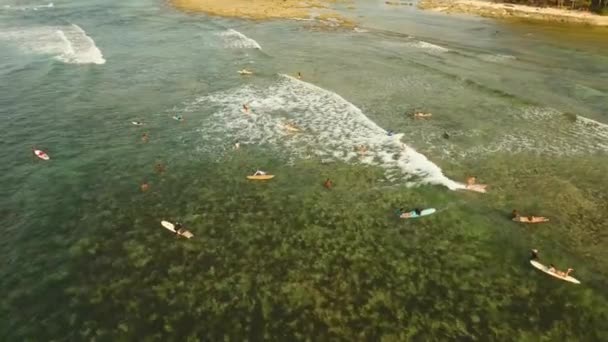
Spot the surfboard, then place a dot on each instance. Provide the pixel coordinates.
(545, 269)
(170, 226)
(260, 177)
(412, 214)
(290, 128)
(524, 219)
(245, 72)
(137, 123)
(178, 118)
(40, 154)
(477, 188)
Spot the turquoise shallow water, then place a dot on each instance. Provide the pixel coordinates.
(84, 256)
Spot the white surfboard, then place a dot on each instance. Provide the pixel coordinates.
(477, 188)
(412, 214)
(170, 226)
(546, 270)
(137, 123)
(41, 154)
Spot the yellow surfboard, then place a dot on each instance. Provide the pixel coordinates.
(260, 177)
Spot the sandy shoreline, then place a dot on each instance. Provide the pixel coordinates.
(266, 9)
(502, 10)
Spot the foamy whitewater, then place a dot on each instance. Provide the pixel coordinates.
(420, 44)
(28, 8)
(234, 39)
(69, 44)
(331, 128)
(548, 132)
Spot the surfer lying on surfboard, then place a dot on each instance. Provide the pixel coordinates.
(472, 185)
(178, 228)
(259, 173)
(552, 269)
(420, 115)
(404, 214)
(558, 272)
(527, 219)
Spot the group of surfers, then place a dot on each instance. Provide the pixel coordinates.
(471, 183)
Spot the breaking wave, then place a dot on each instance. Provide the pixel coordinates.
(331, 128)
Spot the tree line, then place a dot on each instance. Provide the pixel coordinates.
(598, 6)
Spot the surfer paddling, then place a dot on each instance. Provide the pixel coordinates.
(534, 260)
(473, 186)
(515, 216)
(409, 214)
(178, 228)
(560, 273)
(421, 115)
(361, 149)
(328, 184)
(246, 109)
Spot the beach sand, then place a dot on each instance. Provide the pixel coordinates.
(502, 10)
(266, 9)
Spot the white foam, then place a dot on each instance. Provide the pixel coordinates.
(69, 44)
(234, 39)
(79, 47)
(420, 44)
(497, 58)
(534, 130)
(331, 127)
(29, 8)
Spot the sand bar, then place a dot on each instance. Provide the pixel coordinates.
(263, 9)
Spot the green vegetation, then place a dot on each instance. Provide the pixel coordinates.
(289, 260)
(598, 6)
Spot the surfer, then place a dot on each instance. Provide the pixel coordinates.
(160, 168)
(514, 214)
(472, 185)
(328, 184)
(534, 254)
(417, 212)
(144, 187)
(138, 123)
(299, 75)
(361, 149)
(563, 274)
(260, 173)
(246, 108)
(446, 135)
(145, 137)
(178, 118)
(390, 133)
(237, 145)
(178, 228)
(420, 115)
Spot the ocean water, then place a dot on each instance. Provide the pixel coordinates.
(522, 106)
